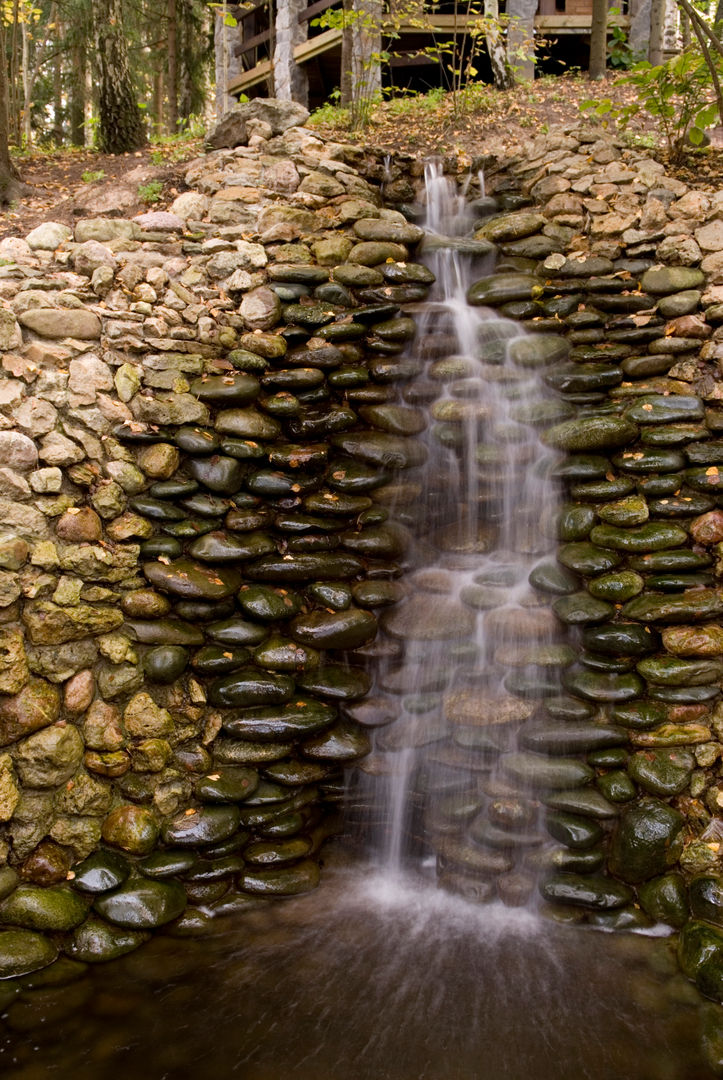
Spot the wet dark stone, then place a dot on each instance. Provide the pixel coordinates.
(320, 421)
(100, 872)
(345, 741)
(582, 609)
(205, 505)
(588, 891)
(222, 547)
(304, 567)
(139, 434)
(231, 389)
(161, 545)
(162, 864)
(662, 771)
(281, 881)
(592, 433)
(582, 467)
(97, 941)
(250, 686)
(603, 490)
(196, 440)
(502, 288)
(681, 506)
(33, 907)
(142, 904)
(335, 630)
(672, 671)
(203, 611)
(165, 632)
(173, 489)
(582, 378)
(623, 639)
(336, 682)
(573, 831)
(571, 737)
(665, 409)
(653, 536)
(156, 509)
(553, 578)
(242, 449)
(696, 605)
(209, 825)
(165, 663)
(298, 273)
(616, 786)
(546, 772)
(268, 604)
(224, 785)
(649, 461)
(585, 801)
(647, 840)
(588, 558)
(700, 953)
(191, 581)
(218, 659)
(224, 475)
(616, 587)
(578, 862)
(603, 686)
(575, 522)
(303, 717)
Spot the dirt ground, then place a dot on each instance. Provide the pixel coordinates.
(63, 188)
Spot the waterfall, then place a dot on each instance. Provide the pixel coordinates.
(476, 646)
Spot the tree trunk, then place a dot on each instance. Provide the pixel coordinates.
(121, 125)
(521, 39)
(719, 13)
(13, 101)
(27, 129)
(58, 131)
(366, 72)
(77, 97)
(657, 23)
(158, 101)
(10, 187)
(172, 68)
(346, 50)
(496, 46)
(598, 39)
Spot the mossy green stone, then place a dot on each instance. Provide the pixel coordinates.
(303, 567)
(573, 831)
(650, 461)
(591, 433)
(653, 536)
(100, 872)
(571, 737)
(337, 682)
(671, 671)
(303, 717)
(616, 786)
(639, 714)
(162, 864)
(587, 558)
(142, 904)
(277, 852)
(209, 825)
(696, 605)
(586, 802)
(279, 653)
(664, 409)
(664, 280)
(617, 587)
(546, 772)
(603, 686)
(587, 891)
(575, 522)
(227, 785)
(537, 350)
(603, 490)
(577, 862)
(700, 953)
(334, 630)
(268, 604)
(218, 660)
(250, 686)
(371, 594)
(191, 581)
(282, 881)
(625, 512)
(22, 952)
(502, 288)
(236, 631)
(33, 907)
(223, 547)
(582, 609)
(575, 378)
(552, 578)
(662, 771)
(647, 840)
(166, 663)
(97, 941)
(672, 562)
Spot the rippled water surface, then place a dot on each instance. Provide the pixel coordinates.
(370, 978)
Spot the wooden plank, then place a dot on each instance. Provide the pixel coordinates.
(253, 43)
(308, 50)
(316, 9)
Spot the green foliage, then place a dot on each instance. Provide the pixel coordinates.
(151, 192)
(332, 113)
(676, 94)
(620, 55)
(89, 177)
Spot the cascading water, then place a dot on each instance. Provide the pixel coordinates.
(475, 648)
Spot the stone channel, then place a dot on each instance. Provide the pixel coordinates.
(211, 427)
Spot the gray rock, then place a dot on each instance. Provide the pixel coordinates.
(17, 451)
(10, 333)
(231, 129)
(91, 255)
(105, 229)
(48, 236)
(62, 322)
(160, 221)
(49, 757)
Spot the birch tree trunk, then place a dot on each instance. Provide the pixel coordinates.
(366, 72)
(346, 51)
(121, 124)
(496, 46)
(657, 23)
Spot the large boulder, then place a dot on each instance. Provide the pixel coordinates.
(280, 115)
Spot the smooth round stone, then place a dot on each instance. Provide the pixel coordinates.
(571, 737)
(665, 899)
(537, 350)
(248, 518)
(503, 288)
(616, 786)
(165, 663)
(145, 604)
(660, 771)
(672, 671)
(665, 409)
(700, 954)
(647, 840)
(489, 835)
(236, 389)
(670, 561)
(337, 682)
(244, 752)
(22, 952)
(303, 717)
(603, 490)
(303, 567)
(394, 419)
(218, 659)
(650, 461)
(33, 907)
(697, 605)
(209, 825)
(546, 772)
(204, 505)
(293, 773)
(219, 473)
(577, 862)
(582, 467)
(381, 449)
(221, 547)
(625, 512)
(582, 609)
(694, 640)
(100, 872)
(706, 898)
(155, 509)
(617, 587)
(681, 506)
(142, 904)
(189, 580)
(708, 479)
(655, 487)
(243, 450)
(575, 523)
(568, 708)
(203, 611)
(407, 273)
(247, 423)
(705, 453)
(653, 536)
(586, 801)
(372, 594)
(683, 695)
(345, 741)
(277, 853)
(592, 433)
(250, 686)
(620, 639)
(227, 785)
(664, 280)
(196, 440)
(426, 618)
(236, 631)
(587, 891)
(552, 578)
(280, 881)
(160, 545)
(639, 714)
(576, 378)
(162, 864)
(268, 604)
(97, 941)
(281, 654)
(573, 831)
(599, 662)
(334, 630)
(588, 558)
(603, 686)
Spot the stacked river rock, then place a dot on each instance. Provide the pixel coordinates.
(203, 415)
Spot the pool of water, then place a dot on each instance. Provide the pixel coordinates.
(371, 977)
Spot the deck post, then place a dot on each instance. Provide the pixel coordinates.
(290, 80)
(521, 39)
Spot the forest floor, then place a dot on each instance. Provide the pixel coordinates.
(68, 184)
